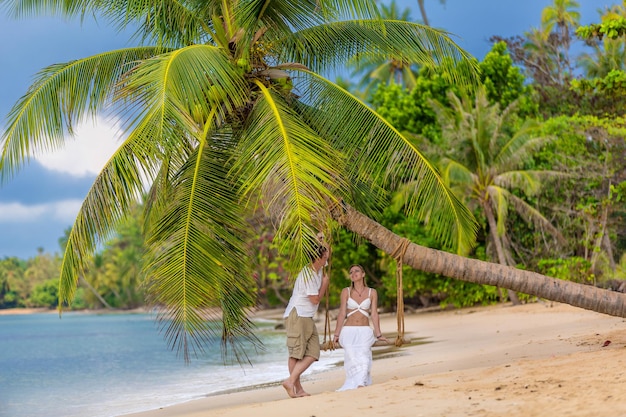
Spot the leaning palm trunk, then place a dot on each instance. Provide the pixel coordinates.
(480, 272)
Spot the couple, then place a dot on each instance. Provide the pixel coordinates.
(358, 304)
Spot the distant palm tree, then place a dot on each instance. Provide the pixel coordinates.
(483, 163)
(562, 16)
(609, 54)
(422, 8)
(227, 109)
(606, 58)
(420, 4)
(375, 69)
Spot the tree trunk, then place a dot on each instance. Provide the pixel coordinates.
(480, 272)
(608, 247)
(597, 245)
(497, 242)
(420, 4)
(93, 290)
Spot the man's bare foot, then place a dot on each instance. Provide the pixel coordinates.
(302, 393)
(291, 389)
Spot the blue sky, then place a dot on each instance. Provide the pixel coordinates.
(42, 200)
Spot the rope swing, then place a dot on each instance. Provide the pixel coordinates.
(328, 344)
(398, 255)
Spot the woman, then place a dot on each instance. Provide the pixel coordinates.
(353, 331)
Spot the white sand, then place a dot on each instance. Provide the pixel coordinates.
(540, 359)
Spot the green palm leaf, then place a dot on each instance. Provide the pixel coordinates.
(381, 155)
(281, 153)
(500, 204)
(329, 47)
(110, 198)
(485, 162)
(196, 249)
(285, 16)
(60, 98)
(185, 86)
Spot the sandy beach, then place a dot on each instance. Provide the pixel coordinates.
(541, 359)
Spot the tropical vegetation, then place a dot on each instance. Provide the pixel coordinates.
(227, 109)
(240, 149)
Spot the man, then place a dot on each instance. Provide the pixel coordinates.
(302, 337)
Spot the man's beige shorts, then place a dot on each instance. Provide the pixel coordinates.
(302, 337)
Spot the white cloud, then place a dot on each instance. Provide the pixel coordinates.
(16, 212)
(88, 151)
(64, 210)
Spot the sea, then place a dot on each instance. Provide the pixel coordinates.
(109, 365)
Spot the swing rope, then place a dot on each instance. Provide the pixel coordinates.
(398, 255)
(328, 343)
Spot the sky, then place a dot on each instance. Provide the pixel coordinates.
(41, 201)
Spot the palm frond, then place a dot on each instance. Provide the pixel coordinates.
(519, 147)
(526, 181)
(61, 97)
(22, 9)
(185, 86)
(530, 182)
(330, 46)
(279, 151)
(533, 216)
(455, 172)
(197, 264)
(381, 156)
(282, 16)
(498, 198)
(167, 24)
(118, 186)
(360, 9)
(286, 16)
(454, 119)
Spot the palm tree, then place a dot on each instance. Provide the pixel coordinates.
(606, 58)
(563, 16)
(215, 122)
(226, 109)
(375, 69)
(483, 163)
(612, 54)
(420, 4)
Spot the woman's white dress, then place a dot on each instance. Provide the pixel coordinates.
(357, 344)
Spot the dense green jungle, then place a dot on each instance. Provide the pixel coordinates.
(557, 206)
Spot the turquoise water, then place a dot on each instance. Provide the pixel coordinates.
(86, 365)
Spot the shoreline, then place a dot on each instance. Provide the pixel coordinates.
(529, 360)
(44, 310)
(22, 311)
